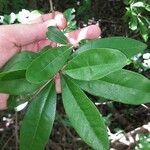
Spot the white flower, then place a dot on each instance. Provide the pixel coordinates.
(146, 63)
(1, 19)
(21, 106)
(25, 16)
(12, 17)
(146, 56)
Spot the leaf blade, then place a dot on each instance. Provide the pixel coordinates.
(47, 64)
(122, 86)
(128, 46)
(95, 64)
(84, 116)
(56, 35)
(18, 86)
(36, 129)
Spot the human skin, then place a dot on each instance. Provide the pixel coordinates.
(18, 37)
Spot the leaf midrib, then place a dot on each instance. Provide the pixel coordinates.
(39, 118)
(54, 59)
(59, 37)
(85, 115)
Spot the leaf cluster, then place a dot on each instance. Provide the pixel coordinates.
(137, 15)
(96, 67)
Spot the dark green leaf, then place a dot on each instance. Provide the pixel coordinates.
(16, 67)
(128, 46)
(84, 116)
(47, 64)
(122, 86)
(56, 35)
(95, 64)
(38, 121)
(17, 86)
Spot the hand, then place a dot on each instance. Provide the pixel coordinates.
(31, 37)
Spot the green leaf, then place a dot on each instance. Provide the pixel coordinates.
(123, 86)
(128, 46)
(138, 4)
(56, 35)
(47, 64)
(71, 23)
(133, 22)
(16, 67)
(17, 86)
(84, 116)
(143, 30)
(38, 121)
(95, 64)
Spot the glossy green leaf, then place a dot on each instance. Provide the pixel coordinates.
(56, 35)
(16, 67)
(84, 116)
(17, 86)
(95, 64)
(128, 46)
(47, 64)
(123, 86)
(38, 121)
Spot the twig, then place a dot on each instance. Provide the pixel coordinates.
(51, 6)
(7, 141)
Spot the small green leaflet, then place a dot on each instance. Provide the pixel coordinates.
(16, 67)
(84, 116)
(38, 121)
(56, 35)
(95, 63)
(128, 46)
(123, 86)
(47, 64)
(17, 86)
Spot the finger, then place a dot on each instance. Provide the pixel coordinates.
(25, 34)
(35, 47)
(57, 83)
(90, 32)
(3, 101)
(59, 17)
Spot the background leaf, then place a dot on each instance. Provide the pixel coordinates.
(95, 64)
(123, 86)
(84, 116)
(128, 46)
(47, 64)
(56, 35)
(38, 121)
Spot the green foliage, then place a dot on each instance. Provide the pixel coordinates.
(96, 67)
(143, 143)
(95, 63)
(137, 15)
(90, 125)
(38, 121)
